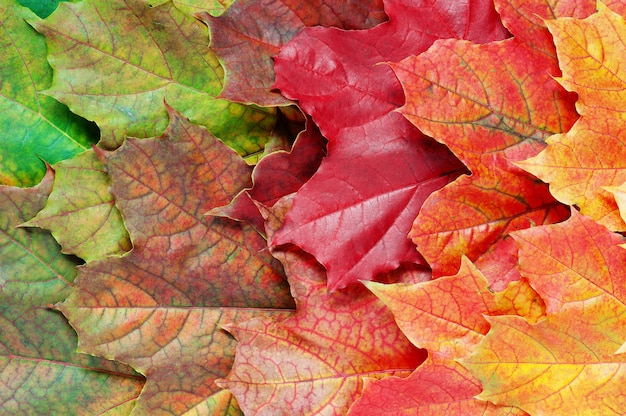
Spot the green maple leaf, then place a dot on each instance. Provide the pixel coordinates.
(117, 61)
(33, 126)
(81, 213)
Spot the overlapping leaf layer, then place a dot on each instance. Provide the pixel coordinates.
(312, 207)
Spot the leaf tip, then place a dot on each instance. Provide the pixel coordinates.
(171, 111)
(101, 153)
(373, 287)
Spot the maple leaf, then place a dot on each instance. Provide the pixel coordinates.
(355, 199)
(39, 371)
(252, 31)
(590, 156)
(160, 308)
(572, 263)
(502, 112)
(223, 401)
(316, 361)
(277, 175)
(618, 6)
(116, 61)
(555, 366)
(437, 387)
(80, 211)
(446, 316)
(34, 126)
(566, 363)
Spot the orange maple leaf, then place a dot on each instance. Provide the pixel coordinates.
(570, 362)
(591, 156)
(446, 316)
(491, 104)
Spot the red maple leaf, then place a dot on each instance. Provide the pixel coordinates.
(379, 169)
(252, 31)
(276, 175)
